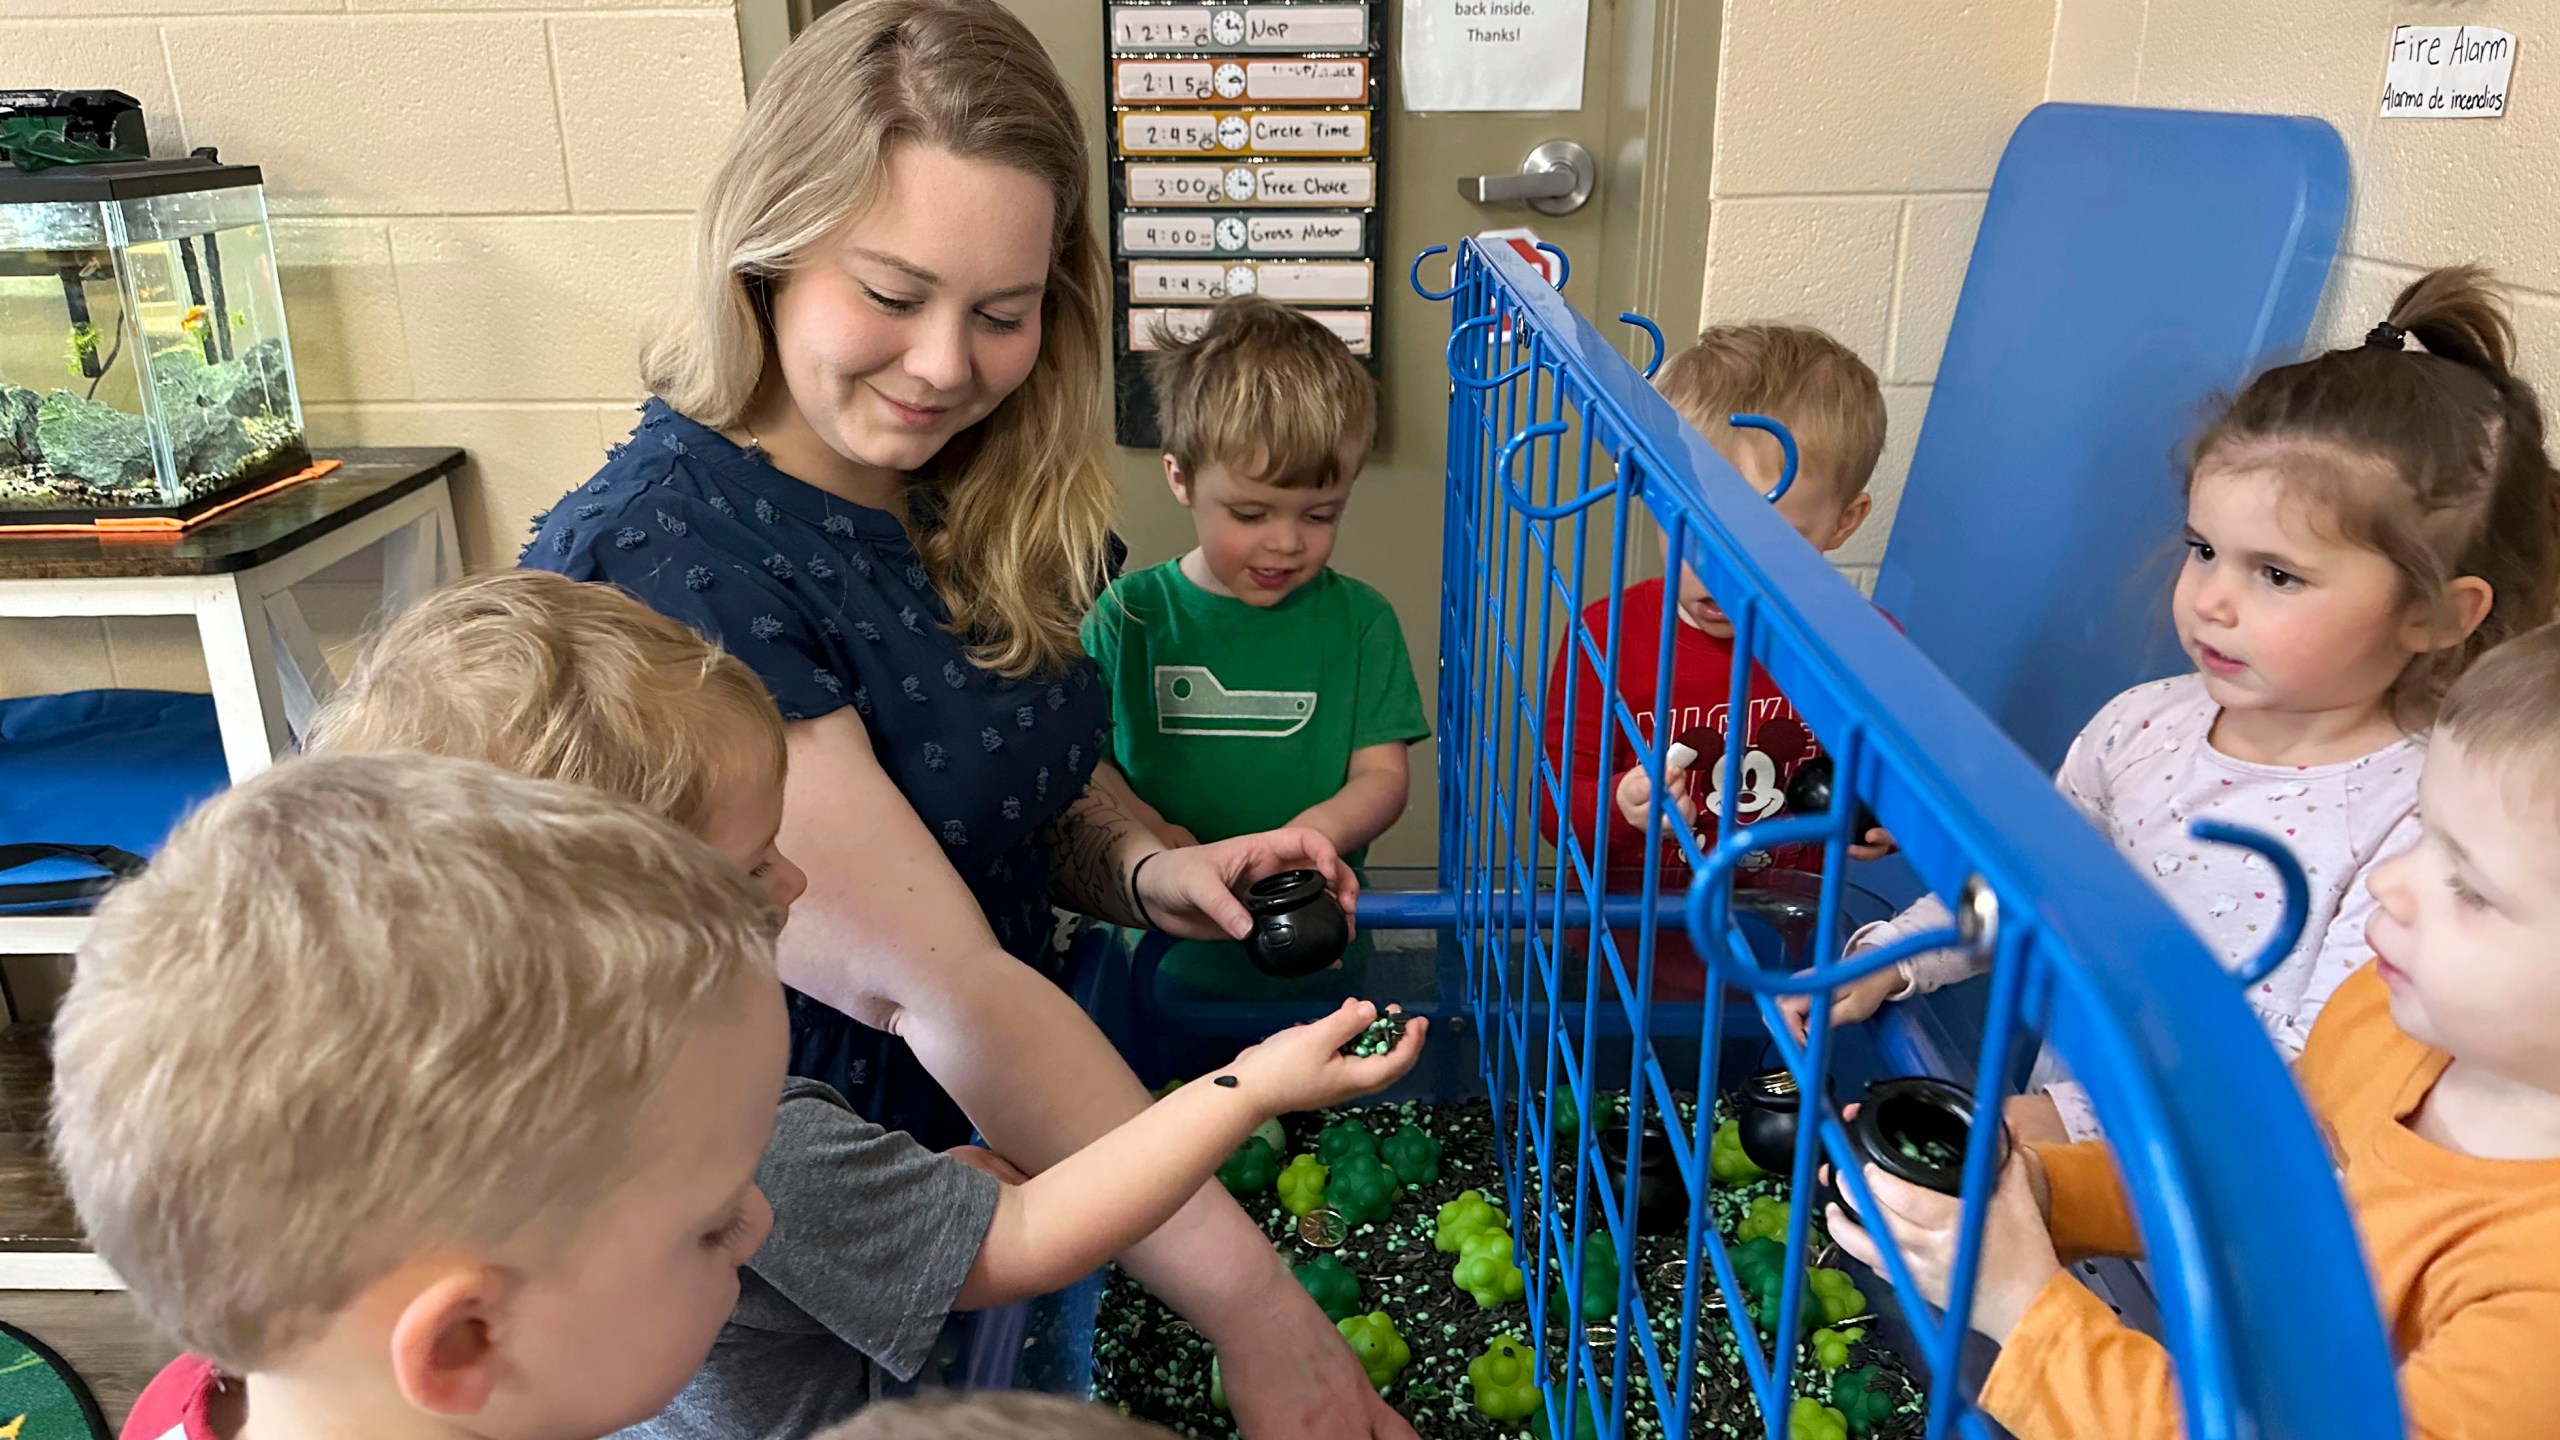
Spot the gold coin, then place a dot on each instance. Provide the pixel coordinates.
(1323, 1228)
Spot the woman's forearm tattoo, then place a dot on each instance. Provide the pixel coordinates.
(1085, 873)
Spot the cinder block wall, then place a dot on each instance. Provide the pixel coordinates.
(1856, 139)
(478, 203)
(2427, 192)
(1855, 142)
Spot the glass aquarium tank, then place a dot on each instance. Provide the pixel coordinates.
(144, 365)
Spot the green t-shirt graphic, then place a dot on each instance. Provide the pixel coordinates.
(1231, 719)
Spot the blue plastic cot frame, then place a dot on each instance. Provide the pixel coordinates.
(1560, 460)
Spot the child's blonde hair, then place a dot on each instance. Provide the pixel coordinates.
(1817, 387)
(1014, 513)
(365, 1006)
(1267, 392)
(2432, 459)
(565, 680)
(2505, 711)
(992, 1415)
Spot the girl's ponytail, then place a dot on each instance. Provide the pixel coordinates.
(2433, 457)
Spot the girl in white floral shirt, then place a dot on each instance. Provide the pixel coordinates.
(2360, 526)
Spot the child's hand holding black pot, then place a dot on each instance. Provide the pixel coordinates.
(2018, 1258)
(1303, 1067)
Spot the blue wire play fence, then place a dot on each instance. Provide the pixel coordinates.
(1562, 463)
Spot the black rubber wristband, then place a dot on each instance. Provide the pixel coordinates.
(1137, 901)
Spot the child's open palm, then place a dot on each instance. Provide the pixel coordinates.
(1303, 1067)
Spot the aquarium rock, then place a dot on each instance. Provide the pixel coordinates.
(93, 442)
(18, 407)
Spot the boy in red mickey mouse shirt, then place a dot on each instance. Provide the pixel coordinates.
(1828, 398)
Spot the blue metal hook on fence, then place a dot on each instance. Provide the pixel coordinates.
(1651, 329)
(1564, 264)
(2297, 891)
(1519, 498)
(1413, 276)
(1457, 372)
(1786, 446)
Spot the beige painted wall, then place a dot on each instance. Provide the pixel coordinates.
(1855, 141)
(476, 202)
(2427, 192)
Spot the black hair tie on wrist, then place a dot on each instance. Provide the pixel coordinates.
(2386, 336)
(1136, 900)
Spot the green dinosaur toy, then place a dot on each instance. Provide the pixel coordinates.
(1334, 1288)
(1466, 1215)
(1381, 1351)
(1362, 1189)
(1863, 1397)
(1725, 1160)
(1504, 1380)
(1767, 1217)
(1302, 1185)
(1834, 1294)
(1412, 1154)
(1810, 1419)
(1599, 1280)
(1345, 1137)
(1251, 1169)
(1831, 1347)
(1485, 1270)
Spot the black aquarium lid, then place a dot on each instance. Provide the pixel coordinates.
(126, 180)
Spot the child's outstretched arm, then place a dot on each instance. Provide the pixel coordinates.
(1114, 1192)
(1372, 797)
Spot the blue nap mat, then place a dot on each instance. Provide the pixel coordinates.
(2131, 265)
(111, 768)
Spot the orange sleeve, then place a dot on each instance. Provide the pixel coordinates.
(2482, 1374)
(2089, 1214)
(2073, 1371)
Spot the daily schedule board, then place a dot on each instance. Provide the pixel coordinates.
(1244, 160)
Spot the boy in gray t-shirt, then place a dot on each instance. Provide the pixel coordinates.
(873, 1235)
(876, 1240)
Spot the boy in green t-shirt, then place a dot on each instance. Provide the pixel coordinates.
(1251, 685)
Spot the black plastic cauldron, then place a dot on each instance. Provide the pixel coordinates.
(1298, 928)
(1809, 792)
(1764, 1113)
(1915, 1128)
(1662, 1198)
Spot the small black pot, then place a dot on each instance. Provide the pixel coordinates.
(1298, 929)
(1809, 792)
(1764, 1111)
(1662, 1200)
(1916, 1129)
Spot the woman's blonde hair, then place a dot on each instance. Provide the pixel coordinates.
(1014, 513)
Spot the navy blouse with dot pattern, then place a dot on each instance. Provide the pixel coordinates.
(828, 603)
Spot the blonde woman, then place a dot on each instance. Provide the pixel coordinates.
(869, 472)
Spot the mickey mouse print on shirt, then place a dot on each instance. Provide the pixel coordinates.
(1776, 741)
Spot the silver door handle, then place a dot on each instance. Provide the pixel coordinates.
(1554, 179)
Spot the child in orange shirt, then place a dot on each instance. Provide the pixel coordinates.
(2435, 1074)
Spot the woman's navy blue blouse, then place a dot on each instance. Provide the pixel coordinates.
(828, 603)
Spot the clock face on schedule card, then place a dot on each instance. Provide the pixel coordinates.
(1229, 80)
(1231, 233)
(1226, 26)
(1233, 132)
(1240, 183)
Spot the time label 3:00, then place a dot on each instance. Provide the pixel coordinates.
(1337, 183)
